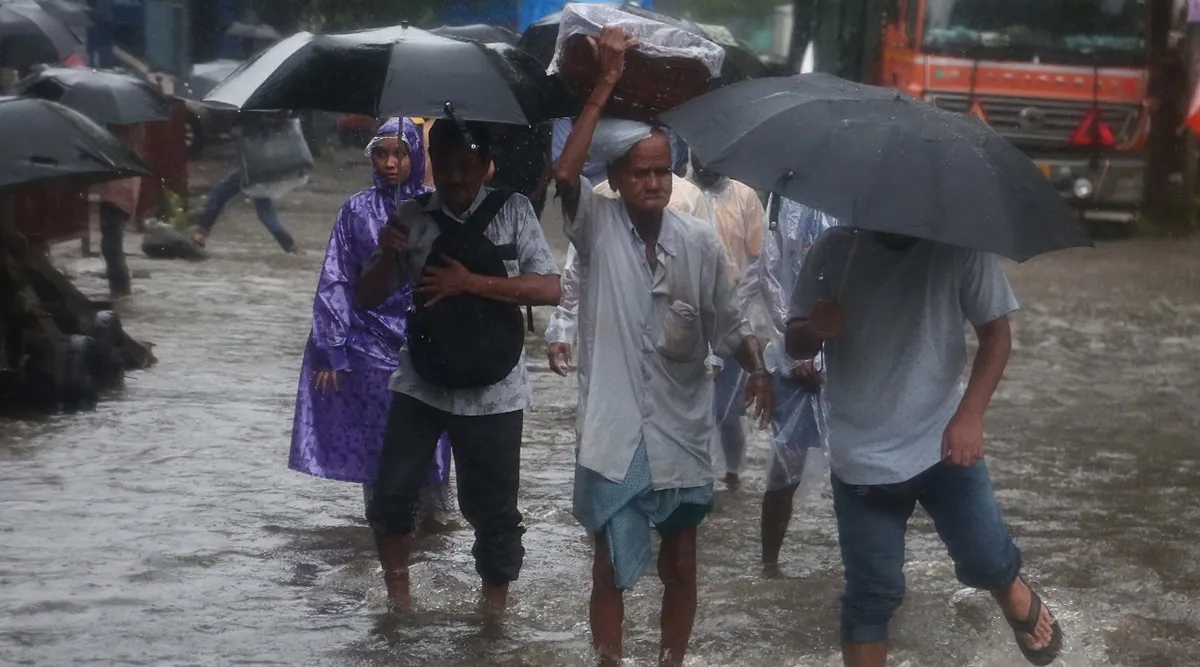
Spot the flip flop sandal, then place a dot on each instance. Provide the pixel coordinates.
(1039, 657)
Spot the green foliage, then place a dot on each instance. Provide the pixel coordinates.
(172, 211)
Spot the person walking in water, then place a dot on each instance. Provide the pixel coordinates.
(887, 312)
(741, 222)
(434, 393)
(658, 297)
(250, 123)
(797, 422)
(342, 401)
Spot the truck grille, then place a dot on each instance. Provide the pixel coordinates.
(1040, 123)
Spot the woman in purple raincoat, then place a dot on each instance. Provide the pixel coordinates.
(342, 402)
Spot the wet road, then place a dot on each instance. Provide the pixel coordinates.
(164, 528)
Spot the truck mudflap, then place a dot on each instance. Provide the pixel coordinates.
(1110, 188)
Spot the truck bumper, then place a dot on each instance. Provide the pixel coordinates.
(1110, 189)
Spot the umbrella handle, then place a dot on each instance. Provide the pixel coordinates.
(846, 272)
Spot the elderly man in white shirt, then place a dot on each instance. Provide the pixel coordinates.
(659, 297)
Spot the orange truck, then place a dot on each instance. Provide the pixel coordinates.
(1063, 80)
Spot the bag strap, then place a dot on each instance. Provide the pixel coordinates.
(487, 211)
(776, 204)
(476, 222)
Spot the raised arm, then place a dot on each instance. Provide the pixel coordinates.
(610, 49)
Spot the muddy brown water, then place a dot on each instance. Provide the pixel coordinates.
(165, 529)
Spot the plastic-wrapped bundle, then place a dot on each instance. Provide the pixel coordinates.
(275, 160)
(670, 66)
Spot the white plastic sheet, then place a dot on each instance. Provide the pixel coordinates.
(656, 39)
(274, 161)
(615, 137)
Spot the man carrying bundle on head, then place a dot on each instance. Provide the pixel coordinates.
(658, 299)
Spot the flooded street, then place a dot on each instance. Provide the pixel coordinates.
(164, 528)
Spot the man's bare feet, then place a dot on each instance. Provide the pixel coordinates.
(772, 571)
(297, 251)
(733, 482)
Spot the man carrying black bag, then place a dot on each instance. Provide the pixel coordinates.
(474, 256)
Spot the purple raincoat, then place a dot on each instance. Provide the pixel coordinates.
(339, 434)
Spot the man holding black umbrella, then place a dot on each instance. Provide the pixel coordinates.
(887, 311)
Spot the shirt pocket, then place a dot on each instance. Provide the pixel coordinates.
(512, 263)
(679, 338)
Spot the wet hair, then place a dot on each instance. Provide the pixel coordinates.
(444, 135)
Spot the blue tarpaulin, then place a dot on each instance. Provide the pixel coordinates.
(529, 11)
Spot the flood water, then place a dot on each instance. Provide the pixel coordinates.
(164, 528)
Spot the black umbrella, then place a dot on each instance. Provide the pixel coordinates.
(541, 37)
(880, 160)
(397, 70)
(480, 32)
(207, 76)
(109, 98)
(44, 141)
(76, 16)
(30, 35)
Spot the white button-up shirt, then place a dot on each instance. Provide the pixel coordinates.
(649, 332)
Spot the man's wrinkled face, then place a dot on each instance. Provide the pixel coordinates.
(704, 177)
(643, 176)
(458, 173)
(391, 161)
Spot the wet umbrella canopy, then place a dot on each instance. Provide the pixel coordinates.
(207, 76)
(76, 16)
(109, 98)
(880, 160)
(397, 70)
(30, 35)
(44, 141)
(480, 32)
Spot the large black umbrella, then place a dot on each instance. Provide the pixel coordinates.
(397, 70)
(877, 159)
(207, 76)
(109, 98)
(44, 141)
(541, 37)
(480, 32)
(30, 35)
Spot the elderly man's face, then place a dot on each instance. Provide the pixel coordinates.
(643, 177)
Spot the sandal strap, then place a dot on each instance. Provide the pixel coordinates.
(1028, 625)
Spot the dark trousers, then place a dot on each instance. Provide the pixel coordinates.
(487, 458)
(112, 248)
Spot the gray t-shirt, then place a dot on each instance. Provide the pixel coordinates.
(894, 376)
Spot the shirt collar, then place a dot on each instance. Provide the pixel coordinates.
(435, 203)
(668, 235)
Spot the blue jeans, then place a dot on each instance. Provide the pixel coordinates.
(224, 192)
(872, 521)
